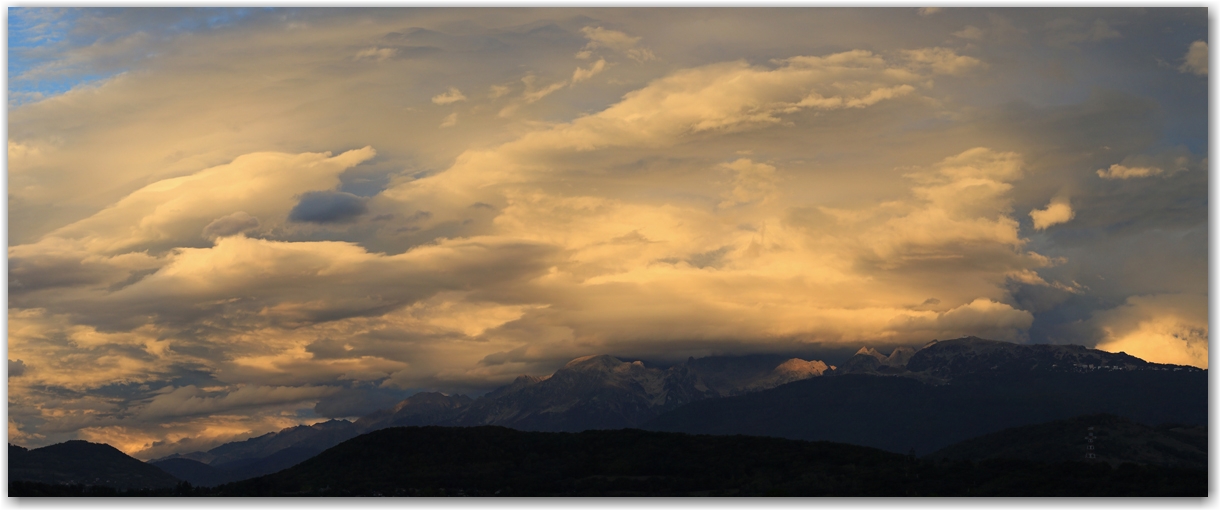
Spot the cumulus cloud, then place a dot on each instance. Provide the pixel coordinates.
(16, 368)
(1195, 60)
(1056, 212)
(1165, 328)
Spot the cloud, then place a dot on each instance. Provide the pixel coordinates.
(16, 368)
(928, 11)
(582, 74)
(1163, 328)
(350, 403)
(172, 212)
(614, 40)
(229, 225)
(1195, 60)
(1065, 32)
(450, 96)
(751, 182)
(193, 401)
(970, 32)
(942, 60)
(328, 207)
(1165, 164)
(379, 54)
(753, 191)
(1117, 171)
(1056, 212)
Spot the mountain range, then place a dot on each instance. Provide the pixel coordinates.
(924, 399)
(951, 391)
(591, 392)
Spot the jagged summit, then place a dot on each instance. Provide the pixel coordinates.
(431, 399)
(942, 360)
(868, 351)
(601, 362)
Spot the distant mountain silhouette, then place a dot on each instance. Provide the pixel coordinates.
(604, 392)
(491, 461)
(592, 392)
(950, 391)
(258, 456)
(1114, 440)
(84, 463)
(943, 361)
(424, 408)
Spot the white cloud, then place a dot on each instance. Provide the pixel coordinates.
(376, 54)
(1163, 328)
(173, 212)
(1195, 60)
(1057, 211)
(450, 120)
(452, 95)
(582, 74)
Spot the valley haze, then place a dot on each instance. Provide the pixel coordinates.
(229, 224)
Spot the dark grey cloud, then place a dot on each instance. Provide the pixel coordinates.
(16, 368)
(352, 402)
(328, 207)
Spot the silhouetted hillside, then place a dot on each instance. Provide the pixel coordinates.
(84, 463)
(193, 471)
(261, 455)
(488, 461)
(1114, 440)
(900, 413)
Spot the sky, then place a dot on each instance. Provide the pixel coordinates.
(227, 221)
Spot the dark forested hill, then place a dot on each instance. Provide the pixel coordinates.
(84, 463)
(489, 461)
(1109, 438)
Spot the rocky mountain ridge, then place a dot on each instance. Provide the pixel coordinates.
(590, 392)
(942, 361)
(605, 392)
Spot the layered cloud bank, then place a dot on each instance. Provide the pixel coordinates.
(296, 215)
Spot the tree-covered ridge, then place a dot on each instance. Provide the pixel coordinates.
(495, 461)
